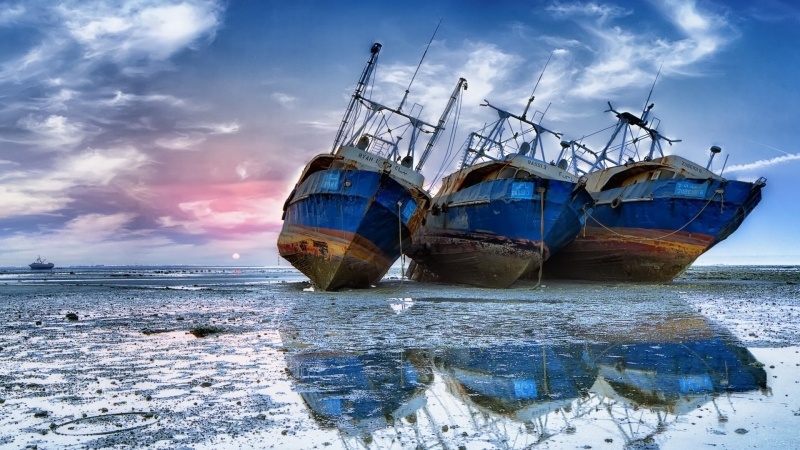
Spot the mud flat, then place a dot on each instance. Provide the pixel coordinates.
(253, 358)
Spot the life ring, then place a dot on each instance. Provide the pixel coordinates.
(615, 203)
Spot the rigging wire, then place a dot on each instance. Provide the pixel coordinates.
(449, 151)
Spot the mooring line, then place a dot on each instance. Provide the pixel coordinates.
(588, 214)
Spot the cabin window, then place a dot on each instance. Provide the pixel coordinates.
(655, 175)
(507, 172)
(522, 175)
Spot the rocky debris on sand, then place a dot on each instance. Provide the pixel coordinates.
(149, 331)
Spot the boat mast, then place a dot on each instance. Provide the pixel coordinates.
(408, 89)
(366, 75)
(462, 84)
(538, 129)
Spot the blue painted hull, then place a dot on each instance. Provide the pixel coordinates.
(489, 234)
(343, 228)
(653, 231)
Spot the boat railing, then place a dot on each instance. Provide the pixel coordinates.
(482, 147)
(380, 147)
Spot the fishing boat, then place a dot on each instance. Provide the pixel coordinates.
(40, 264)
(654, 214)
(355, 209)
(504, 212)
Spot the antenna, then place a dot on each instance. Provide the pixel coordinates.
(723, 165)
(647, 108)
(400, 108)
(530, 100)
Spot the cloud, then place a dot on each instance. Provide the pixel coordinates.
(99, 167)
(623, 57)
(706, 32)
(122, 99)
(196, 135)
(774, 11)
(59, 100)
(601, 11)
(223, 216)
(286, 100)
(53, 131)
(34, 192)
(11, 13)
(20, 200)
(763, 163)
(218, 210)
(98, 227)
(181, 142)
(139, 28)
(222, 128)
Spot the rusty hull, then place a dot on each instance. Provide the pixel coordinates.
(485, 261)
(630, 255)
(333, 259)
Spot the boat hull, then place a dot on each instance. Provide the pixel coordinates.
(477, 259)
(490, 234)
(655, 231)
(343, 228)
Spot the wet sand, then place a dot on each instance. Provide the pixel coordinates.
(107, 358)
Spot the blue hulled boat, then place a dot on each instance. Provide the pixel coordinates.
(503, 213)
(654, 214)
(354, 209)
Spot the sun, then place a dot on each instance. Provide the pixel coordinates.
(235, 256)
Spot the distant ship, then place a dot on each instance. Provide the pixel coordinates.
(355, 209)
(39, 264)
(503, 213)
(654, 215)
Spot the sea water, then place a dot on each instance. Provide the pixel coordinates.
(249, 357)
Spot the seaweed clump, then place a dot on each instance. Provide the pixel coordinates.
(203, 331)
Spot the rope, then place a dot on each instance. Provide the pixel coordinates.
(400, 235)
(541, 191)
(657, 238)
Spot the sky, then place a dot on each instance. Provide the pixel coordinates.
(171, 132)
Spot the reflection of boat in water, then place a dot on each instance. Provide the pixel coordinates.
(550, 388)
(503, 213)
(674, 376)
(40, 264)
(361, 393)
(372, 388)
(519, 381)
(654, 215)
(354, 210)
